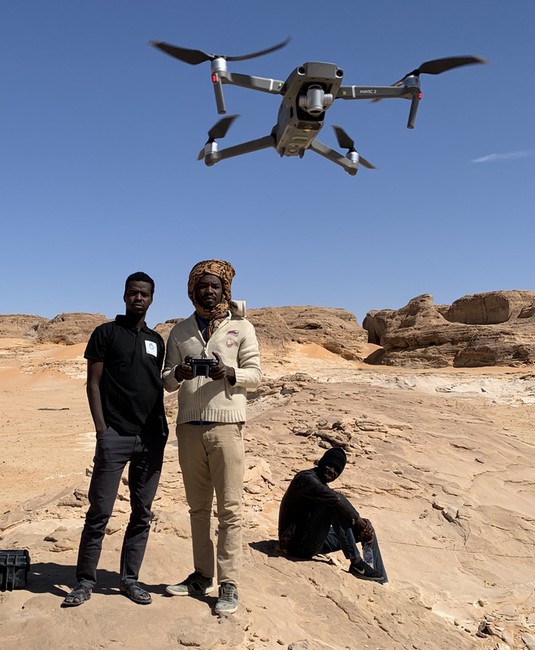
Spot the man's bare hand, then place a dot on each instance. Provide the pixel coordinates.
(221, 370)
(184, 371)
(366, 530)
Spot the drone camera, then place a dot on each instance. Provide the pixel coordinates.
(316, 100)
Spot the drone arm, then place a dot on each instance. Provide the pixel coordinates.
(239, 149)
(349, 166)
(372, 92)
(263, 84)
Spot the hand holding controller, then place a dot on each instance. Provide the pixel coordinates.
(201, 367)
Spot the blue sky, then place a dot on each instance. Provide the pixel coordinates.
(100, 134)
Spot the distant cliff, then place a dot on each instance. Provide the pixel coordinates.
(485, 329)
(336, 330)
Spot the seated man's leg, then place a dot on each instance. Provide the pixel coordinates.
(344, 536)
(377, 558)
(308, 540)
(341, 538)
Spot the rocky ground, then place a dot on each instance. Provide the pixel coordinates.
(441, 460)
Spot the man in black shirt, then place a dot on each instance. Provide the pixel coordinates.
(125, 393)
(314, 518)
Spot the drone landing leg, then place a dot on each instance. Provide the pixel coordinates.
(239, 149)
(349, 166)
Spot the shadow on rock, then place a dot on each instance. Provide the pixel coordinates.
(49, 577)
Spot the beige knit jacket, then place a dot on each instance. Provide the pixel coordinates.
(205, 399)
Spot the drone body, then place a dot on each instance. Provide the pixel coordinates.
(306, 95)
(308, 92)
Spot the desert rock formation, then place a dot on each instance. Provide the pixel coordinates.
(485, 329)
(20, 326)
(441, 460)
(335, 330)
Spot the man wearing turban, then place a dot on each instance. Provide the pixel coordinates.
(211, 412)
(314, 518)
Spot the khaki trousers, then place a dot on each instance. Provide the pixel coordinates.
(211, 457)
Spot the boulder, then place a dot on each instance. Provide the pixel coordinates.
(20, 326)
(69, 328)
(487, 329)
(491, 308)
(336, 330)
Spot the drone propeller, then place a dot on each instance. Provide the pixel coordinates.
(345, 142)
(194, 57)
(437, 66)
(219, 130)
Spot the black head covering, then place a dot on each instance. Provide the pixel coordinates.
(336, 457)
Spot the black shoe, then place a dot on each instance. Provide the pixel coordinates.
(194, 585)
(364, 571)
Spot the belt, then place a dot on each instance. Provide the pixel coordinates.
(201, 422)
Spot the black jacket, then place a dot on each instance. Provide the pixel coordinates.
(305, 494)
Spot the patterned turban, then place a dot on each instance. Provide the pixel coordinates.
(225, 272)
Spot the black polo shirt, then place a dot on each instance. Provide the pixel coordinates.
(131, 386)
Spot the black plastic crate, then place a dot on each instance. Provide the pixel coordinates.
(14, 569)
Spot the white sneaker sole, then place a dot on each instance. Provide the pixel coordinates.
(174, 590)
(226, 610)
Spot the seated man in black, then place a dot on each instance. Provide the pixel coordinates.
(314, 518)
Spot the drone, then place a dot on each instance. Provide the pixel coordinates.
(306, 95)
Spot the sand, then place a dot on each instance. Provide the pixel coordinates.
(441, 461)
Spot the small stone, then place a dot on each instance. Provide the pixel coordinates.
(450, 514)
(508, 637)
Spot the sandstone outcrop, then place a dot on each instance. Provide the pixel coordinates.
(20, 326)
(485, 329)
(70, 328)
(336, 330)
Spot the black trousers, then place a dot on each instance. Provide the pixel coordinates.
(113, 452)
(328, 530)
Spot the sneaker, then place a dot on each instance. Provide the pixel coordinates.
(227, 603)
(194, 585)
(364, 571)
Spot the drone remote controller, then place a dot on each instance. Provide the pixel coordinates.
(201, 367)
